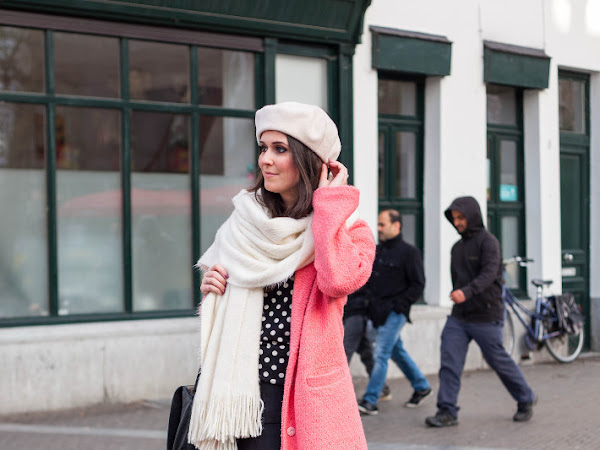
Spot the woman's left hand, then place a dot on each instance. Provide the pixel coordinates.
(339, 174)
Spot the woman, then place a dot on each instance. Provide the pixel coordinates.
(275, 283)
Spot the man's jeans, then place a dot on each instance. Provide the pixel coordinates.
(488, 336)
(388, 344)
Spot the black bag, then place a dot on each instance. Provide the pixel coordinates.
(179, 418)
(570, 317)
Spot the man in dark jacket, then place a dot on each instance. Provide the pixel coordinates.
(396, 282)
(477, 314)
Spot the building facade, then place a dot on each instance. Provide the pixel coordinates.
(126, 128)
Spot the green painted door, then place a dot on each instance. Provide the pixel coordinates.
(575, 187)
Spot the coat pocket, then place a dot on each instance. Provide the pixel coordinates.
(328, 377)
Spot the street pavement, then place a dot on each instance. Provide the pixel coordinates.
(567, 416)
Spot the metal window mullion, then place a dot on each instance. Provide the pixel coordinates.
(195, 173)
(51, 178)
(126, 179)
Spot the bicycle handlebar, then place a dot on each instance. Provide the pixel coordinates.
(522, 261)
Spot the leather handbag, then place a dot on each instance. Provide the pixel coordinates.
(179, 418)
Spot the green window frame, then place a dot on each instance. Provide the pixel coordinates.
(339, 84)
(192, 109)
(507, 202)
(391, 127)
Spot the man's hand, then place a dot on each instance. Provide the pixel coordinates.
(457, 296)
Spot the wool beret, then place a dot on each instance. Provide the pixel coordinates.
(307, 123)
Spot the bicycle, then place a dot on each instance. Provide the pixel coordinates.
(545, 325)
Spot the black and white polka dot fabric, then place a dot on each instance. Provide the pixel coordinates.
(275, 335)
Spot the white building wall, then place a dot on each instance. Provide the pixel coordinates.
(455, 130)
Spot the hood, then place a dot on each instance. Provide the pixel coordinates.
(470, 208)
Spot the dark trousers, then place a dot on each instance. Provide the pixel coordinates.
(488, 336)
(357, 339)
(270, 439)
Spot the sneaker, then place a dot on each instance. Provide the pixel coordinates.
(524, 411)
(368, 408)
(386, 393)
(441, 419)
(418, 398)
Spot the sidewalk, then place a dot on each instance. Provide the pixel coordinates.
(567, 416)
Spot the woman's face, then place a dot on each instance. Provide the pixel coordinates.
(277, 165)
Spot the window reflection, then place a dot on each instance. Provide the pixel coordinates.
(86, 65)
(159, 71)
(88, 187)
(23, 236)
(225, 78)
(572, 105)
(501, 105)
(228, 156)
(406, 169)
(397, 97)
(21, 59)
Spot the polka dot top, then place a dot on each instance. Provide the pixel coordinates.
(275, 336)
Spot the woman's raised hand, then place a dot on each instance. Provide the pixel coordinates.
(339, 174)
(214, 280)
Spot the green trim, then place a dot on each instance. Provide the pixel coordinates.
(51, 179)
(126, 180)
(345, 108)
(407, 52)
(515, 66)
(195, 175)
(316, 20)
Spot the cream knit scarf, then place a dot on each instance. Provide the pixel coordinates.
(257, 251)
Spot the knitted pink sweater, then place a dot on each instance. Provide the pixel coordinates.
(319, 404)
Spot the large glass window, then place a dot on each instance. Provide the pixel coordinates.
(117, 167)
(506, 199)
(401, 103)
(301, 79)
(23, 237)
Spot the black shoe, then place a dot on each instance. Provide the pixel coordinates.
(441, 419)
(386, 393)
(366, 407)
(524, 411)
(418, 398)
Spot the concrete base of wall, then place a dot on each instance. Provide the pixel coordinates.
(58, 367)
(65, 366)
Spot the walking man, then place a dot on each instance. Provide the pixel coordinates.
(396, 282)
(359, 335)
(478, 314)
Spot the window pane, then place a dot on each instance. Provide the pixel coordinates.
(508, 172)
(225, 78)
(86, 65)
(409, 228)
(381, 165)
(397, 97)
(21, 59)
(89, 210)
(228, 155)
(572, 105)
(159, 72)
(160, 212)
(301, 79)
(501, 105)
(510, 248)
(489, 170)
(23, 250)
(406, 170)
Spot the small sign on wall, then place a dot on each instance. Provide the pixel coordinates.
(508, 193)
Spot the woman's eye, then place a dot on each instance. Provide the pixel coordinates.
(281, 149)
(262, 148)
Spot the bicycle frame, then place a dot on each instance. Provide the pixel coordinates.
(538, 331)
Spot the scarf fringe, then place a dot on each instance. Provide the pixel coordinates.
(218, 419)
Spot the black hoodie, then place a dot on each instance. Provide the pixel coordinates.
(476, 266)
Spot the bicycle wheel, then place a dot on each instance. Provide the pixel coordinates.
(565, 348)
(508, 334)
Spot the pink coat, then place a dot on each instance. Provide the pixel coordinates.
(319, 404)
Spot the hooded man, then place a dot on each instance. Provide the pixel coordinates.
(477, 314)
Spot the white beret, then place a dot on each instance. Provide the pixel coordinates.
(307, 123)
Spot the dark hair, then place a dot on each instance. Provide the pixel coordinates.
(394, 216)
(309, 167)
